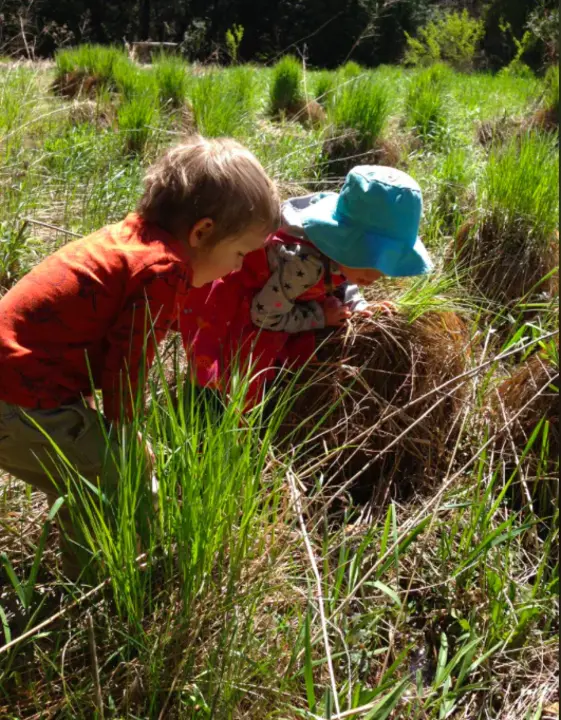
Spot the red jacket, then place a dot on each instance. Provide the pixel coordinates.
(219, 334)
(87, 308)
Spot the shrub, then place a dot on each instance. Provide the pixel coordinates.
(234, 37)
(453, 37)
(286, 85)
(517, 67)
(171, 80)
(135, 118)
(363, 107)
(425, 104)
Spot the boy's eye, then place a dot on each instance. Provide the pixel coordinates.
(241, 254)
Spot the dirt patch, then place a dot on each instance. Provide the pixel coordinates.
(375, 381)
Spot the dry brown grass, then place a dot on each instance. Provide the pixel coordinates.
(344, 152)
(76, 83)
(377, 379)
(504, 270)
(307, 112)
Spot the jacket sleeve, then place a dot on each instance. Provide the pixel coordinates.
(131, 343)
(351, 296)
(275, 307)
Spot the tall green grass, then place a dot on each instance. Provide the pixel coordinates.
(97, 60)
(324, 88)
(287, 81)
(519, 189)
(135, 118)
(362, 106)
(426, 109)
(223, 102)
(171, 78)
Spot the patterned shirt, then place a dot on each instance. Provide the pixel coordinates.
(95, 307)
(295, 268)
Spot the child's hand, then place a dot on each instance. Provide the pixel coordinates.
(336, 314)
(385, 306)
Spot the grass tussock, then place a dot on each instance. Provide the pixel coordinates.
(359, 117)
(135, 119)
(510, 249)
(364, 396)
(426, 104)
(287, 86)
(223, 104)
(170, 74)
(85, 69)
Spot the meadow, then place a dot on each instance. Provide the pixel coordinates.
(267, 583)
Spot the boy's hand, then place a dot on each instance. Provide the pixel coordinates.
(336, 314)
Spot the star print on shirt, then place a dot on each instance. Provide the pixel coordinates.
(275, 288)
(300, 273)
(287, 286)
(260, 307)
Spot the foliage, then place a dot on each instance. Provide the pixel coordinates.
(552, 88)
(517, 66)
(362, 106)
(234, 37)
(324, 88)
(543, 23)
(286, 85)
(134, 118)
(425, 103)
(223, 102)
(170, 73)
(96, 60)
(453, 37)
(519, 190)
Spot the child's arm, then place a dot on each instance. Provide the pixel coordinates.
(275, 306)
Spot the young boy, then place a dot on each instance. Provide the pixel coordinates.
(307, 277)
(89, 316)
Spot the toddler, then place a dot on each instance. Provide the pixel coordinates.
(306, 277)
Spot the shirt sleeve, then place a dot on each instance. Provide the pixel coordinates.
(351, 296)
(147, 316)
(275, 307)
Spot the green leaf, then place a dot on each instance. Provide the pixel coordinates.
(308, 666)
(383, 709)
(390, 592)
(5, 625)
(13, 578)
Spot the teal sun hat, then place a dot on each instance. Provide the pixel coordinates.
(372, 223)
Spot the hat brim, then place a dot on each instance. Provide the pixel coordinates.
(352, 247)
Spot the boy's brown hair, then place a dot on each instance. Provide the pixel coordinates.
(217, 179)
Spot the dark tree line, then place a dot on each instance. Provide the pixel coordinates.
(328, 32)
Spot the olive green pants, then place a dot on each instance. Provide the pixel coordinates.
(27, 453)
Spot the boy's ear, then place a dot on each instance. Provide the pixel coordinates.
(201, 232)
